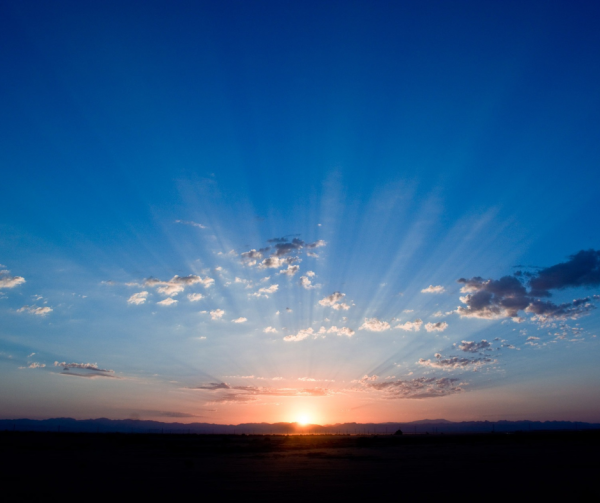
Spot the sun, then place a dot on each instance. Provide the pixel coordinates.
(303, 420)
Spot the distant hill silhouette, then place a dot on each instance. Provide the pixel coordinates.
(431, 426)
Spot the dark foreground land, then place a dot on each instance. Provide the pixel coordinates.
(482, 467)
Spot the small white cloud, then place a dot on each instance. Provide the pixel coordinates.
(374, 325)
(189, 222)
(310, 274)
(34, 365)
(333, 301)
(239, 320)
(265, 292)
(411, 326)
(138, 298)
(270, 330)
(217, 314)
(38, 311)
(290, 271)
(167, 302)
(194, 297)
(7, 281)
(440, 326)
(307, 283)
(433, 289)
(301, 335)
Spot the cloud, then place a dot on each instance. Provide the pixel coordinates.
(440, 326)
(506, 297)
(301, 335)
(474, 347)
(311, 274)
(581, 270)
(291, 270)
(270, 330)
(409, 326)
(189, 222)
(274, 262)
(265, 292)
(348, 332)
(216, 314)
(374, 325)
(545, 311)
(239, 320)
(34, 365)
(306, 283)
(177, 284)
(433, 289)
(333, 301)
(213, 386)
(81, 366)
(250, 257)
(195, 297)
(167, 302)
(7, 281)
(455, 362)
(91, 370)
(418, 388)
(38, 311)
(284, 247)
(138, 298)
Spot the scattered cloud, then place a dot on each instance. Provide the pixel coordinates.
(195, 297)
(270, 330)
(239, 320)
(177, 284)
(138, 298)
(7, 281)
(455, 362)
(189, 222)
(291, 270)
(581, 270)
(169, 301)
(38, 311)
(265, 292)
(274, 262)
(411, 326)
(216, 314)
(374, 325)
(474, 347)
(333, 301)
(418, 388)
(306, 283)
(506, 297)
(300, 336)
(86, 370)
(440, 326)
(34, 365)
(311, 274)
(433, 289)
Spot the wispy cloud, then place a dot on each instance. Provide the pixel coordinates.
(433, 289)
(38, 311)
(169, 301)
(138, 298)
(375, 325)
(177, 284)
(217, 314)
(239, 320)
(418, 388)
(265, 292)
(189, 222)
(455, 362)
(474, 347)
(7, 281)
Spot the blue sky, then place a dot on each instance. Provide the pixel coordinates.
(381, 150)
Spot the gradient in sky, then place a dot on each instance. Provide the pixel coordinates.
(332, 211)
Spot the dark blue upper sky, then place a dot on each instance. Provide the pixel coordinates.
(421, 141)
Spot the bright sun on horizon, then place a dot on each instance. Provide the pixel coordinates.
(303, 419)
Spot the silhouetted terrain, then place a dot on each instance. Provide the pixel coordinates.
(104, 425)
(474, 467)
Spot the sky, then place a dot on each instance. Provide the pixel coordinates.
(340, 211)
